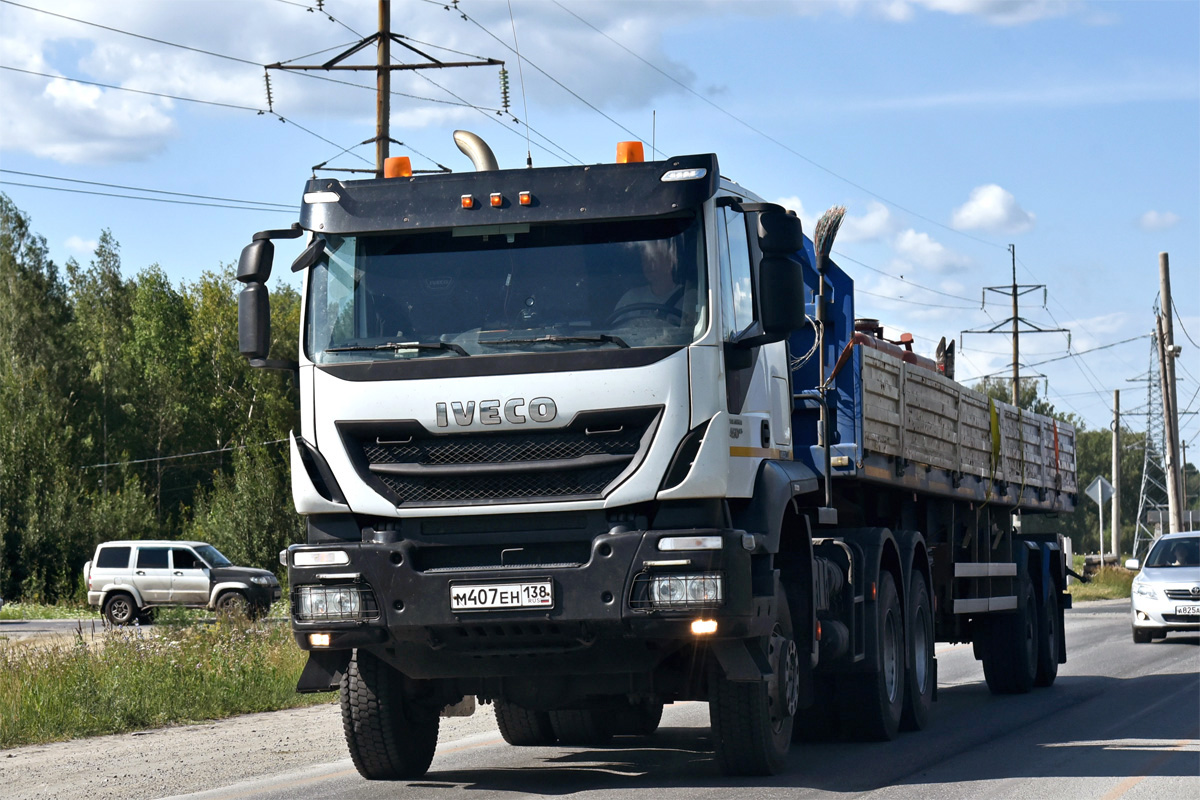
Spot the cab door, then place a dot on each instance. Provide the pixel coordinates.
(189, 577)
(152, 574)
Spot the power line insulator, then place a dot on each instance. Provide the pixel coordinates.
(270, 100)
(504, 104)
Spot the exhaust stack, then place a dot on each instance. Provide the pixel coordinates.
(477, 150)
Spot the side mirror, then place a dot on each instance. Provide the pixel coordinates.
(254, 320)
(780, 295)
(779, 233)
(254, 266)
(1133, 564)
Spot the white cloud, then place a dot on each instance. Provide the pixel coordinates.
(1158, 220)
(875, 224)
(794, 203)
(992, 208)
(77, 244)
(920, 250)
(1003, 12)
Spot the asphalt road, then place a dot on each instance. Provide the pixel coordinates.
(1122, 721)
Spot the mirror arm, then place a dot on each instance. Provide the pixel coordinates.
(294, 232)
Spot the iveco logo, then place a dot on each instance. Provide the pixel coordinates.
(515, 410)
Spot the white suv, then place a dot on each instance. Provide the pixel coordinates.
(128, 579)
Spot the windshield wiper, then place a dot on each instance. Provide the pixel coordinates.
(358, 348)
(602, 338)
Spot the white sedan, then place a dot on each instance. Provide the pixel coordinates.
(1166, 593)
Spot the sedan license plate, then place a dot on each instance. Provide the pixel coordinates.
(491, 596)
(1188, 611)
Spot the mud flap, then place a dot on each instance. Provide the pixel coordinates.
(324, 671)
(740, 662)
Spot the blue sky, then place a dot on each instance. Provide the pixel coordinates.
(948, 128)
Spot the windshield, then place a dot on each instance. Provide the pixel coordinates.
(507, 289)
(213, 556)
(1183, 552)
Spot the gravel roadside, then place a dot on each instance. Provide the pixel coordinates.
(190, 758)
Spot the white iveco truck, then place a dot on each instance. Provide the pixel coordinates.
(583, 441)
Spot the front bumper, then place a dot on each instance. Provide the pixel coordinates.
(1165, 613)
(597, 623)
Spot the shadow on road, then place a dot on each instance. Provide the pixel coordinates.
(1083, 727)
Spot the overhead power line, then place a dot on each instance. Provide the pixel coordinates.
(280, 206)
(181, 455)
(150, 199)
(135, 91)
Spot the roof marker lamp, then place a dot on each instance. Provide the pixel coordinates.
(497, 199)
(320, 558)
(672, 544)
(397, 167)
(468, 201)
(683, 175)
(525, 198)
(630, 153)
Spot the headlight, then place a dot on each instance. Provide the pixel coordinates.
(1145, 590)
(262, 580)
(687, 590)
(328, 602)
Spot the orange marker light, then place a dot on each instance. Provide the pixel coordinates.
(497, 199)
(397, 167)
(525, 198)
(630, 153)
(468, 201)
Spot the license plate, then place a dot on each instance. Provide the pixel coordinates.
(1188, 611)
(489, 596)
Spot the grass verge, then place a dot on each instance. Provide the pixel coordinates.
(1108, 583)
(44, 611)
(121, 680)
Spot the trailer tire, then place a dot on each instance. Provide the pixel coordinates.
(1011, 650)
(389, 737)
(873, 704)
(521, 727)
(920, 672)
(1048, 624)
(752, 722)
(580, 727)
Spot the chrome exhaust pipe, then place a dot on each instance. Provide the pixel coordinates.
(477, 150)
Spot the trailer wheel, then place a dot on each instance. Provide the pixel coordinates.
(1047, 658)
(873, 704)
(521, 727)
(1011, 648)
(752, 721)
(920, 672)
(580, 727)
(389, 736)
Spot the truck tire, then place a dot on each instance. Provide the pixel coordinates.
(1047, 658)
(580, 727)
(390, 737)
(872, 705)
(920, 671)
(521, 727)
(120, 608)
(1010, 651)
(752, 721)
(629, 718)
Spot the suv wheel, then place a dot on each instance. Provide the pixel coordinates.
(120, 609)
(233, 604)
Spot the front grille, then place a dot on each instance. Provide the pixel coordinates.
(410, 465)
(1182, 619)
(1182, 594)
(514, 639)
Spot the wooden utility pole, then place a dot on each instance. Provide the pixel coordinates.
(1015, 290)
(1116, 473)
(383, 68)
(1167, 353)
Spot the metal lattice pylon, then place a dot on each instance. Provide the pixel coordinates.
(1153, 494)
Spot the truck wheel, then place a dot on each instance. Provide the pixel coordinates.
(1011, 650)
(1047, 658)
(630, 718)
(521, 727)
(233, 604)
(920, 672)
(873, 704)
(752, 721)
(120, 609)
(390, 737)
(580, 727)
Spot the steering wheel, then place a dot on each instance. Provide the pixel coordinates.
(658, 310)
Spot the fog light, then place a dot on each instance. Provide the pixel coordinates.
(702, 627)
(318, 639)
(1142, 616)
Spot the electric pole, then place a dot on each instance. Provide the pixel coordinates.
(1116, 473)
(1015, 291)
(1167, 352)
(383, 68)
